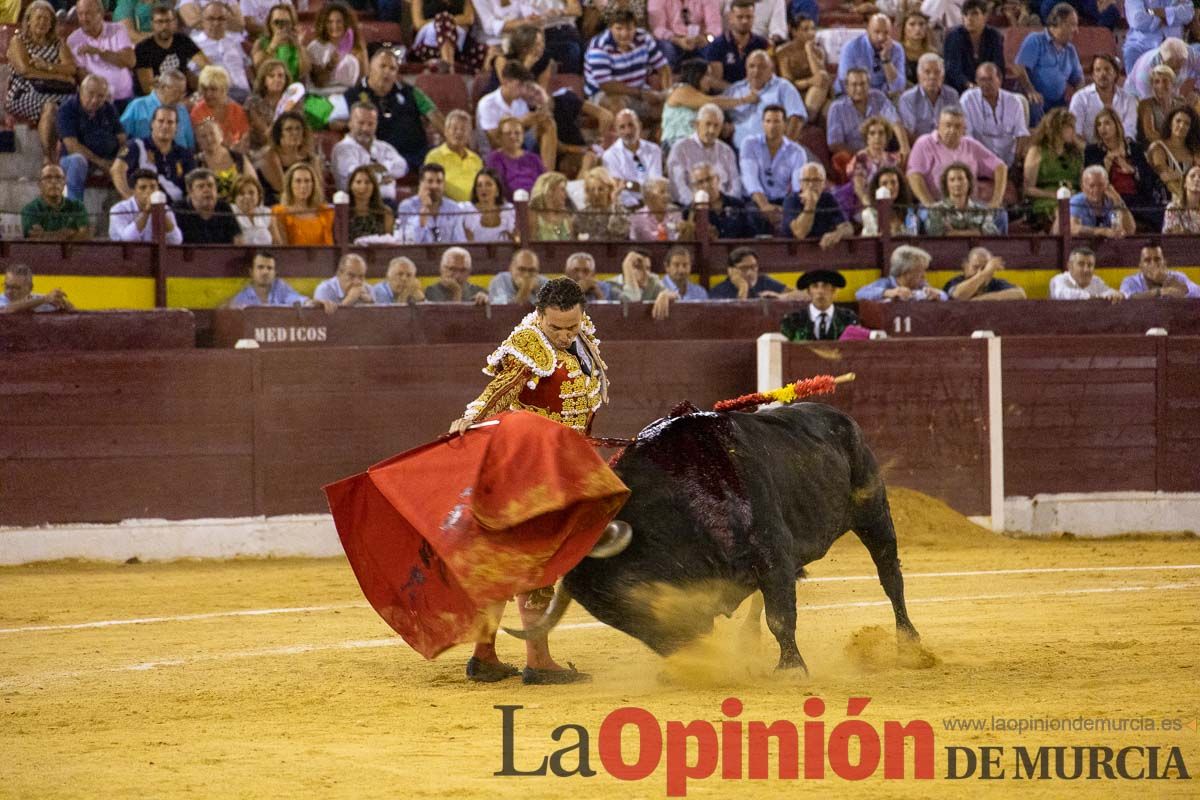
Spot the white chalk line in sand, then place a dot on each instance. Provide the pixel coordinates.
(262, 612)
(301, 649)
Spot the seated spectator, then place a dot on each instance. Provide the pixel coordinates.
(430, 217)
(52, 216)
(513, 100)
(215, 104)
(1080, 281)
(1089, 11)
(227, 165)
(455, 156)
(637, 283)
(520, 285)
(517, 167)
(853, 195)
(905, 280)
(43, 72)
(453, 286)
(191, 13)
(822, 320)
(659, 219)
(687, 97)
(270, 82)
(632, 159)
(281, 40)
(1054, 161)
(844, 124)
(996, 117)
(551, 212)
(903, 221)
(958, 213)
(1098, 210)
(265, 289)
(1128, 171)
(493, 219)
(769, 163)
(348, 286)
(1152, 112)
(1177, 149)
(558, 19)
(581, 268)
(18, 294)
(971, 45)
(683, 30)
(403, 109)
(812, 213)
(602, 216)
(170, 87)
(291, 144)
(337, 51)
(618, 66)
(728, 216)
(1150, 23)
(1183, 212)
(744, 281)
(1048, 63)
(878, 55)
(771, 16)
(400, 285)
(165, 49)
(727, 54)
(104, 49)
(933, 152)
(443, 35)
(1103, 93)
(1173, 53)
(703, 147)
(978, 280)
(302, 216)
(157, 152)
(917, 40)
(368, 214)
(802, 61)
(1154, 280)
(677, 281)
(204, 218)
(360, 148)
(921, 105)
(223, 48)
(130, 219)
(90, 132)
(772, 91)
(253, 217)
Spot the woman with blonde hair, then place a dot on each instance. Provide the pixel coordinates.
(43, 73)
(550, 208)
(1054, 159)
(337, 50)
(302, 215)
(1183, 212)
(1152, 111)
(916, 36)
(216, 104)
(602, 216)
(252, 216)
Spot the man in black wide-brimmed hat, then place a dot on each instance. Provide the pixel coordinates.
(822, 320)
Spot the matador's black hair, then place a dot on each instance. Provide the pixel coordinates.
(562, 293)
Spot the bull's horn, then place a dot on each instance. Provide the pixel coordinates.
(554, 612)
(615, 539)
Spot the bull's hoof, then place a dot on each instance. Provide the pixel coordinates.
(532, 677)
(796, 663)
(488, 672)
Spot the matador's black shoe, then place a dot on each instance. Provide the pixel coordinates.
(487, 672)
(531, 676)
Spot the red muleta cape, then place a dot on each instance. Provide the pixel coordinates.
(437, 533)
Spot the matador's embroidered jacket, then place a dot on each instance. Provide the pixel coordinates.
(529, 374)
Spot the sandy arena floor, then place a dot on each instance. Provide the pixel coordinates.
(273, 678)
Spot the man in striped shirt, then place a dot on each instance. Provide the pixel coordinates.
(618, 66)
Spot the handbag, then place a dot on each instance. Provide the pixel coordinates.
(49, 86)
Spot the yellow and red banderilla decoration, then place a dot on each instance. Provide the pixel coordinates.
(805, 387)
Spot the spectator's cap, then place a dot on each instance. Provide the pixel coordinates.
(821, 276)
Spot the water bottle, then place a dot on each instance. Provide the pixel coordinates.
(911, 226)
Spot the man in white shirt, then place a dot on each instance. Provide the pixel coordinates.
(129, 220)
(703, 147)
(360, 147)
(192, 11)
(510, 100)
(1102, 93)
(1079, 282)
(223, 48)
(995, 116)
(632, 159)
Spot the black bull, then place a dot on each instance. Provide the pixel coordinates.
(723, 505)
